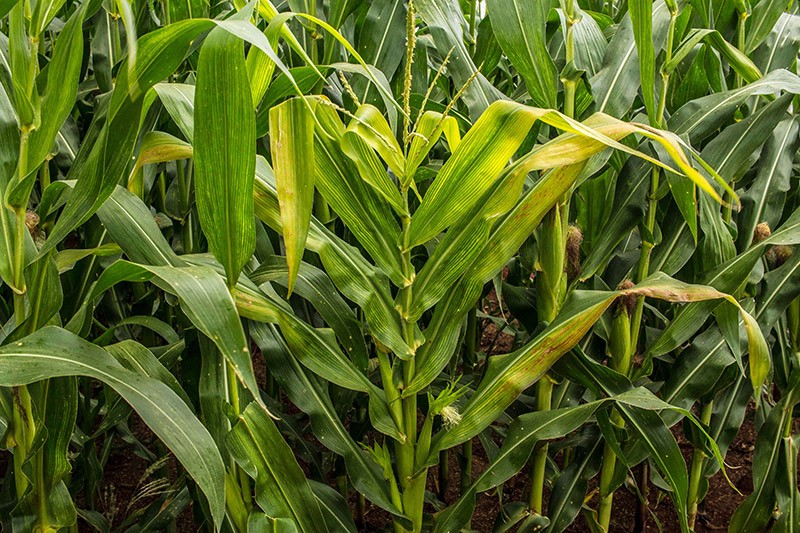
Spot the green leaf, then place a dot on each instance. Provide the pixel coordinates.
(53, 352)
(781, 45)
(282, 490)
(335, 509)
(353, 275)
(132, 226)
(383, 27)
(697, 370)
(763, 18)
(446, 22)
(755, 512)
(459, 249)
(316, 287)
(280, 88)
(356, 203)
(615, 86)
(309, 394)
(291, 126)
(45, 295)
(729, 152)
(764, 199)
(156, 147)
(262, 523)
(63, 73)
(782, 286)
(641, 12)
(572, 483)
(442, 334)
(206, 301)
(520, 30)
(187, 9)
(701, 117)
(428, 129)
(371, 128)
(178, 100)
(225, 150)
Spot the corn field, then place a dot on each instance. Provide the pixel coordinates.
(399, 265)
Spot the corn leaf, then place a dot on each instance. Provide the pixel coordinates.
(282, 490)
(224, 142)
(291, 139)
(53, 352)
(520, 30)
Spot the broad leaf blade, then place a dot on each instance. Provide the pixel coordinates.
(282, 490)
(291, 126)
(53, 352)
(225, 151)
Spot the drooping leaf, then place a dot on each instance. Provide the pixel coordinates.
(53, 352)
(508, 375)
(292, 141)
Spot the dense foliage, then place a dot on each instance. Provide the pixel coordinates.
(268, 230)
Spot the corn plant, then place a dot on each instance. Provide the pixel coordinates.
(682, 54)
(251, 226)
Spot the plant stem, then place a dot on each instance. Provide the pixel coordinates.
(24, 431)
(551, 285)
(550, 288)
(642, 508)
(620, 354)
(233, 501)
(19, 239)
(606, 480)
(544, 394)
(473, 8)
(184, 186)
(412, 483)
(444, 474)
(23, 424)
(793, 323)
(652, 201)
(698, 465)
